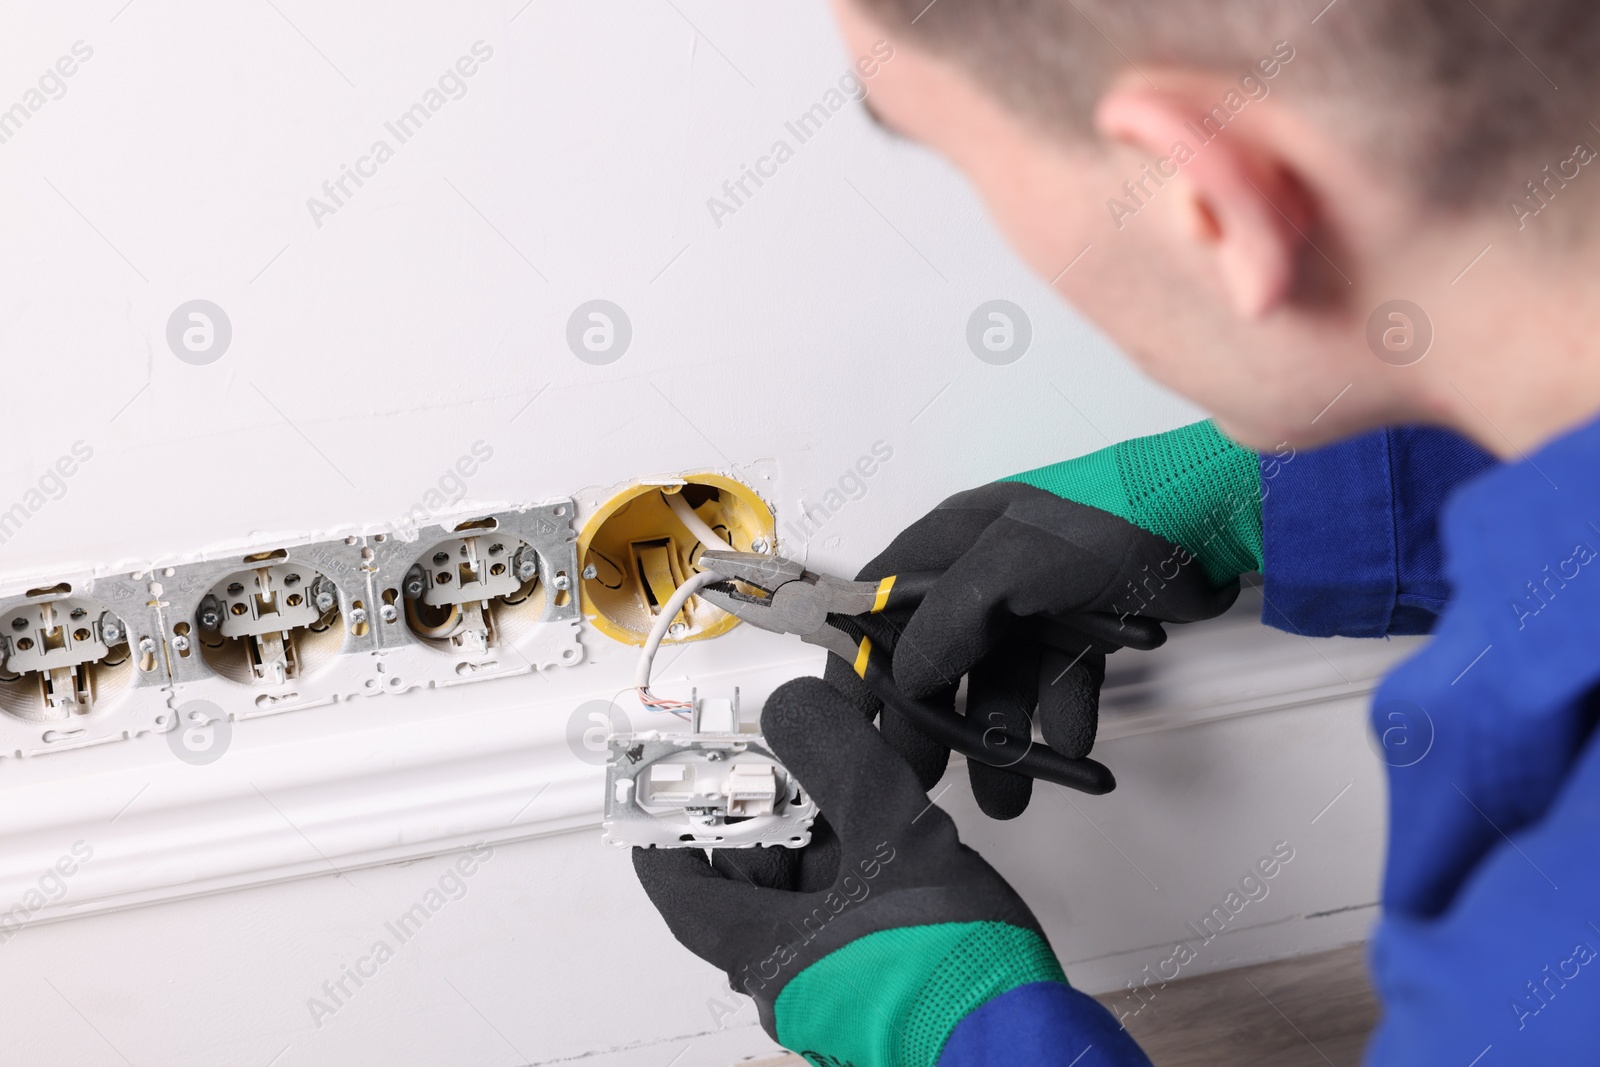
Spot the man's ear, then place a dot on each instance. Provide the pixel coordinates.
(1241, 204)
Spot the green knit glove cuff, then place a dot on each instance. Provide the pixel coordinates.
(1191, 485)
(892, 998)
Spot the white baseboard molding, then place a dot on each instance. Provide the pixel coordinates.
(378, 782)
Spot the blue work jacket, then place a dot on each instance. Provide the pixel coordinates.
(1488, 949)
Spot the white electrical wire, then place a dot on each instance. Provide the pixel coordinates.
(710, 539)
(669, 611)
(694, 523)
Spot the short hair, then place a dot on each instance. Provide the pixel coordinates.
(1464, 100)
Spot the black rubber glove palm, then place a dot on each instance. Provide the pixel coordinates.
(872, 943)
(1009, 551)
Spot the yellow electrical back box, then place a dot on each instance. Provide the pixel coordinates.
(634, 552)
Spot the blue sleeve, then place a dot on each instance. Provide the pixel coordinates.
(1044, 1023)
(1350, 532)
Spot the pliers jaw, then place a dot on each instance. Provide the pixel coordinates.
(790, 599)
(753, 608)
(765, 574)
(793, 609)
(753, 568)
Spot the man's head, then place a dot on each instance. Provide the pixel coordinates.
(1253, 179)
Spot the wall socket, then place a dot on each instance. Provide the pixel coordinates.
(94, 659)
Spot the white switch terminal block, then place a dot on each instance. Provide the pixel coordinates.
(713, 785)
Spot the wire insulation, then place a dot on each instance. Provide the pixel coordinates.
(694, 523)
(658, 632)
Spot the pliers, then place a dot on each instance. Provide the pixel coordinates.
(820, 607)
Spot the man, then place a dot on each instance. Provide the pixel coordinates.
(1315, 221)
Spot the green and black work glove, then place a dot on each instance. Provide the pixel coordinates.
(870, 945)
(1112, 544)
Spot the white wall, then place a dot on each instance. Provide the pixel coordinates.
(827, 314)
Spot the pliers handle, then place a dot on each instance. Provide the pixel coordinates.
(820, 607)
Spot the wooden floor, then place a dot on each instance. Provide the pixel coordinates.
(1311, 1011)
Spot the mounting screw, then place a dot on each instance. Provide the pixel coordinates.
(389, 613)
(322, 597)
(146, 645)
(590, 573)
(758, 545)
(525, 564)
(111, 629)
(180, 643)
(358, 616)
(677, 629)
(416, 583)
(562, 582)
(210, 614)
